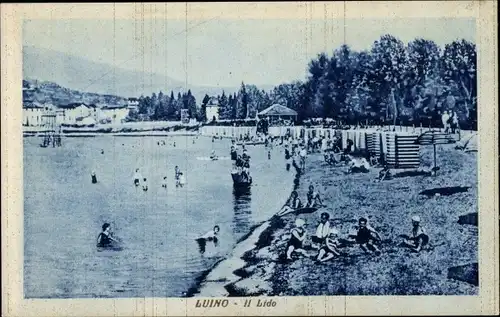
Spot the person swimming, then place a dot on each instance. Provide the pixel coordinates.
(137, 177)
(94, 177)
(105, 238)
(209, 236)
(213, 156)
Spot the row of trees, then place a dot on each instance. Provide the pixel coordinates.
(163, 107)
(391, 83)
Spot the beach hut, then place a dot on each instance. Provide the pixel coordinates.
(276, 112)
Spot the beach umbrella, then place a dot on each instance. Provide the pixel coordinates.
(434, 138)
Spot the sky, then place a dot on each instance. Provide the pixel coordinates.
(227, 52)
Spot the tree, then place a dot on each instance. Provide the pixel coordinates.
(459, 72)
(203, 109)
(389, 68)
(191, 105)
(424, 81)
(242, 104)
(224, 107)
(179, 104)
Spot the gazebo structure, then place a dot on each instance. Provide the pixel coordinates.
(277, 112)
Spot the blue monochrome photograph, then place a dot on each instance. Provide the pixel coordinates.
(249, 157)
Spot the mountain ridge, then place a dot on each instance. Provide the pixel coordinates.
(78, 73)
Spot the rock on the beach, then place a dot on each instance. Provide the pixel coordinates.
(249, 287)
(266, 253)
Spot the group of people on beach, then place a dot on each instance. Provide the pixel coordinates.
(327, 241)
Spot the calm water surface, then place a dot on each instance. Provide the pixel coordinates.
(64, 211)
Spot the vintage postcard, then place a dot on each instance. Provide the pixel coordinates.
(301, 158)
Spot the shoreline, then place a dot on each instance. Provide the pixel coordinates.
(221, 279)
(257, 268)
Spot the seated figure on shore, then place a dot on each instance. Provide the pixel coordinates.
(295, 244)
(322, 231)
(367, 236)
(384, 174)
(358, 165)
(293, 203)
(418, 237)
(313, 198)
(330, 248)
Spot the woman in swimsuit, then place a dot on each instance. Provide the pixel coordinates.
(296, 241)
(105, 239)
(293, 203)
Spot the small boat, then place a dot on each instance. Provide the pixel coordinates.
(240, 180)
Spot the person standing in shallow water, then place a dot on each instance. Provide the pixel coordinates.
(137, 177)
(94, 177)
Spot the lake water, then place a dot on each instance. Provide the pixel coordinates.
(64, 211)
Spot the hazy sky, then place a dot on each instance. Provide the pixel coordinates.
(225, 52)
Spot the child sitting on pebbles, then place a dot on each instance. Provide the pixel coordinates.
(330, 248)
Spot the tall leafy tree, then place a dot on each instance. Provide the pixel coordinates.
(459, 72)
(389, 68)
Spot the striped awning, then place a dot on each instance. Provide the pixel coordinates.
(435, 137)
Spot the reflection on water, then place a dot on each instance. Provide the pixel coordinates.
(242, 199)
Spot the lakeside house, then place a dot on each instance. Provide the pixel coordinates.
(74, 112)
(32, 114)
(114, 113)
(133, 104)
(212, 110)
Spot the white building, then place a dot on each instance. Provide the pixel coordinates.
(212, 110)
(73, 112)
(115, 114)
(32, 114)
(133, 104)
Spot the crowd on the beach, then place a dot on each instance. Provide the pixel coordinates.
(296, 150)
(326, 238)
